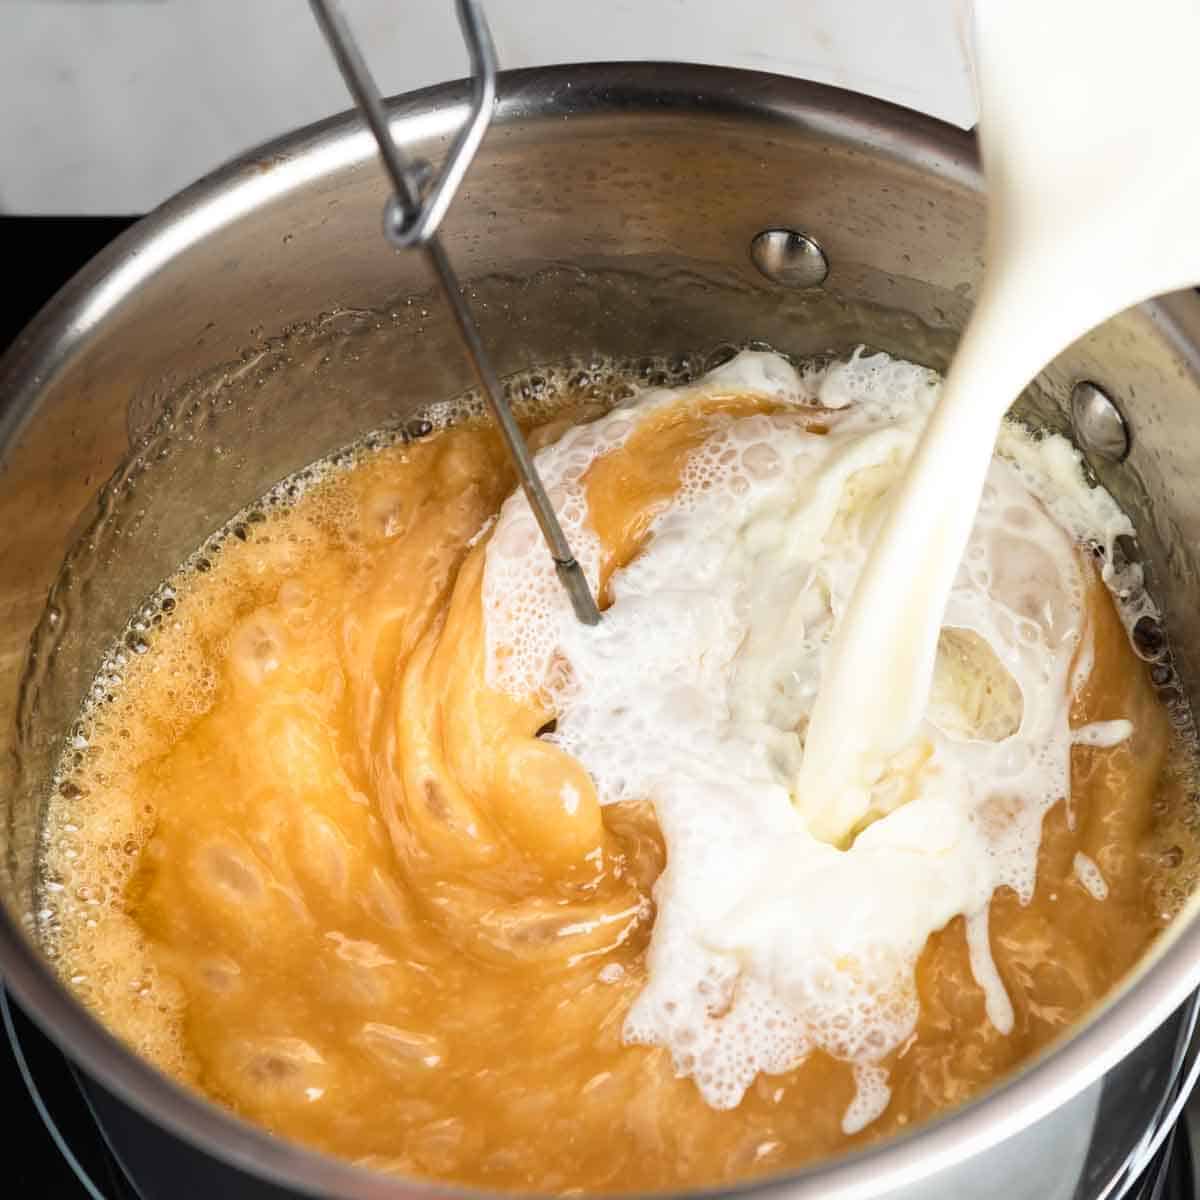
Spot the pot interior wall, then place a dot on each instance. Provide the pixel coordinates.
(260, 322)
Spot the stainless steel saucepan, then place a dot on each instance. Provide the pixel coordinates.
(258, 322)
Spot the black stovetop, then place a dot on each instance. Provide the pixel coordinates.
(34, 1164)
(52, 249)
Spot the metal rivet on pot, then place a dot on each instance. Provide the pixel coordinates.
(789, 258)
(1099, 426)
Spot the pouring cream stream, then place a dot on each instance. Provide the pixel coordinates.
(1092, 158)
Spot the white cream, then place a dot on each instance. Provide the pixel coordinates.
(1090, 877)
(696, 688)
(1103, 735)
(1082, 115)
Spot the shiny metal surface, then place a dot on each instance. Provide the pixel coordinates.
(253, 325)
(410, 222)
(1163, 1130)
(566, 567)
(789, 258)
(1097, 422)
(420, 197)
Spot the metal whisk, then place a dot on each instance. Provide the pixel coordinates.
(411, 220)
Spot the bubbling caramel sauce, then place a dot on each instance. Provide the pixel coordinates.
(306, 859)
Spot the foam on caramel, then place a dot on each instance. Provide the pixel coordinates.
(696, 689)
(309, 853)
